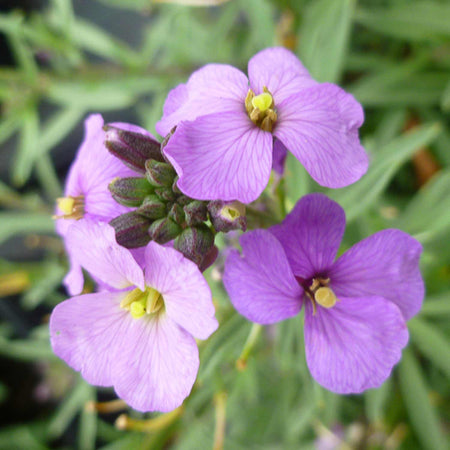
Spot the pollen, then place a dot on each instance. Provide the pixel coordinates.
(140, 303)
(261, 109)
(325, 297)
(71, 207)
(262, 101)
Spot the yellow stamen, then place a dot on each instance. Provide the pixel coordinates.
(137, 309)
(262, 101)
(140, 302)
(71, 207)
(154, 301)
(65, 204)
(132, 296)
(325, 297)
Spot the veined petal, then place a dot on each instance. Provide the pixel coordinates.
(221, 156)
(74, 280)
(93, 170)
(86, 332)
(384, 264)
(93, 245)
(354, 345)
(280, 71)
(158, 367)
(212, 88)
(260, 283)
(311, 234)
(187, 296)
(320, 127)
(279, 156)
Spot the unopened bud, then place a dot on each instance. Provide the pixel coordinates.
(164, 230)
(132, 148)
(165, 194)
(159, 174)
(176, 213)
(152, 207)
(196, 212)
(131, 230)
(130, 191)
(195, 243)
(226, 216)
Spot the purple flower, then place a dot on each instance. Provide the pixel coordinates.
(138, 336)
(355, 307)
(226, 133)
(86, 192)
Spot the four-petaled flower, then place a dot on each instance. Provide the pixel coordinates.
(355, 307)
(228, 125)
(138, 334)
(86, 193)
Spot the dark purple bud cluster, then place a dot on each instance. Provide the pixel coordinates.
(163, 213)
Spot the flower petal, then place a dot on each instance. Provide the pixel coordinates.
(93, 245)
(354, 345)
(187, 296)
(311, 234)
(85, 330)
(212, 88)
(279, 156)
(260, 283)
(93, 170)
(384, 264)
(74, 280)
(280, 71)
(221, 156)
(320, 127)
(158, 366)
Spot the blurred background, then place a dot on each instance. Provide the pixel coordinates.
(63, 59)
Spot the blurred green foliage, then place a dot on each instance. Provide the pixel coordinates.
(393, 55)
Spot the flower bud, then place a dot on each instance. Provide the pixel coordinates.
(164, 230)
(195, 243)
(130, 191)
(132, 148)
(152, 207)
(227, 216)
(165, 194)
(196, 212)
(159, 174)
(176, 213)
(131, 229)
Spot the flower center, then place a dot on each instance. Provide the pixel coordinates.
(260, 109)
(321, 294)
(72, 207)
(140, 303)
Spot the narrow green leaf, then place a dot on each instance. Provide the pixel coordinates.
(437, 305)
(324, 37)
(26, 350)
(422, 20)
(445, 102)
(423, 416)
(88, 424)
(376, 400)
(357, 198)
(428, 213)
(28, 149)
(97, 41)
(67, 410)
(432, 343)
(20, 223)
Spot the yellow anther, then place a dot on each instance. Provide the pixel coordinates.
(132, 296)
(137, 309)
(154, 301)
(262, 101)
(66, 204)
(325, 297)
